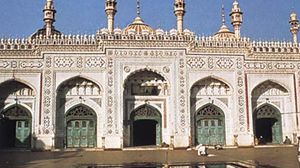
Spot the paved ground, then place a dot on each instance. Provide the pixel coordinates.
(278, 157)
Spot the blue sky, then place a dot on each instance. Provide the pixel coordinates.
(263, 19)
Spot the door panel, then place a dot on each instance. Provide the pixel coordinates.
(210, 132)
(22, 134)
(81, 134)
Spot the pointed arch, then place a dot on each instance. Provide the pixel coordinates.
(79, 77)
(145, 126)
(267, 124)
(147, 69)
(145, 112)
(13, 85)
(216, 78)
(211, 85)
(209, 124)
(266, 87)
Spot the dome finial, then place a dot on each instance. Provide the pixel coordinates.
(138, 8)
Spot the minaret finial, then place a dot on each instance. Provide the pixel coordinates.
(236, 18)
(138, 8)
(111, 10)
(49, 17)
(179, 10)
(223, 15)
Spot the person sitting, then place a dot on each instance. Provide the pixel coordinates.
(202, 150)
(287, 141)
(261, 141)
(218, 147)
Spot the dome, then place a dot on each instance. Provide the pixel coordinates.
(139, 26)
(224, 33)
(42, 32)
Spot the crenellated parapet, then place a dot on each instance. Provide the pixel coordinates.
(279, 50)
(214, 44)
(157, 38)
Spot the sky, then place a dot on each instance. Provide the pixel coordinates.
(263, 19)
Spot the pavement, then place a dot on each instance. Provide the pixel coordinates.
(264, 157)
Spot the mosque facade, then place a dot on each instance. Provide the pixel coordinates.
(140, 86)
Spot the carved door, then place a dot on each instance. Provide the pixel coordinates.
(81, 134)
(210, 132)
(22, 134)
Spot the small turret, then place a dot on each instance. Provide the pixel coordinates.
(236, 18)
(179, 10)
(294, 27)
(49, 17)
(111, 10)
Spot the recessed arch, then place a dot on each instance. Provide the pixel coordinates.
(145, 83)
(145, 70)
(80, 93)
(146, 126)
(267, 124)
(20, 81)
(15, 127)
(81, 123)
(215, 78)
(262, 87)
(212, 86)
(79, 77)
(210, 127)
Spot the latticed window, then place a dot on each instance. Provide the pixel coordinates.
(209, 111)
(267, 112)
(15, 112)
(146, 111)
(80, 111)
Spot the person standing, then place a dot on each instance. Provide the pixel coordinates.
(298, 146)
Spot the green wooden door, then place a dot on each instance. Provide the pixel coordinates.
(158, 134)
(81, 134)
(276, 132)
(22, 134)
(210, 132)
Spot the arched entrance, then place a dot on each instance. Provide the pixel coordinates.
(81, 127)
(15, 128)
(145, 126)
(210, 126)
(267, 125)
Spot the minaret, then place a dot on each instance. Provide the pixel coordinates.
(49, 17)
(294, 27)
(179, 10)
(111, 10)
(236, 18)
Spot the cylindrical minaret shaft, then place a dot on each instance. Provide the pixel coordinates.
(111, 10)
(179, 12)
(294, 27)
(236, 18)
(49, 17)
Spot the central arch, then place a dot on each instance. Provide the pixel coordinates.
(145, 126)
(81, 127)
(15, 127)
(210, 126)
(267, 125)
